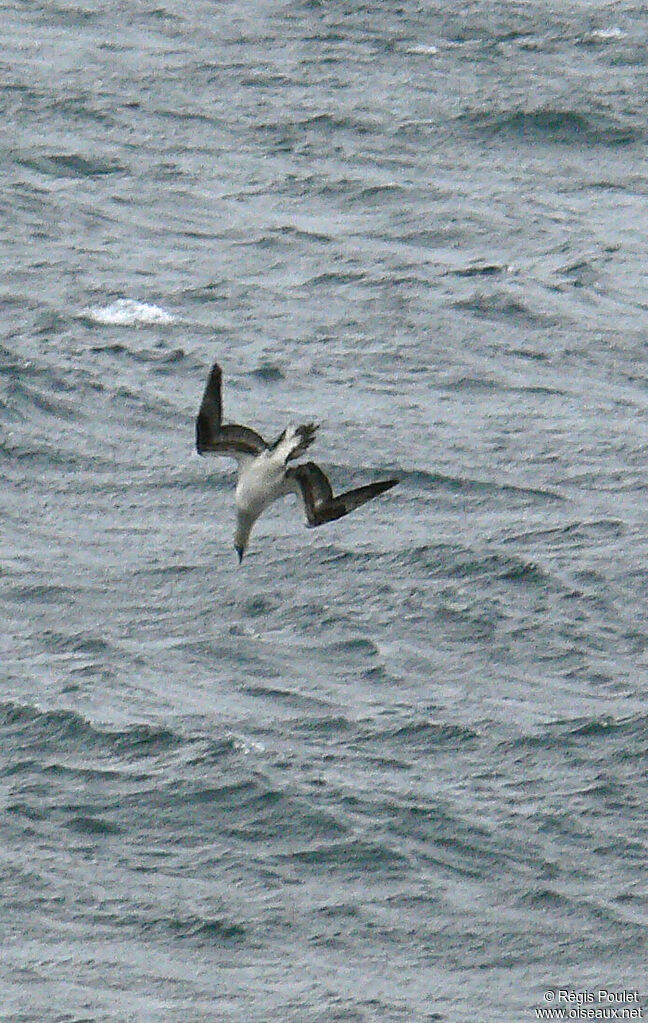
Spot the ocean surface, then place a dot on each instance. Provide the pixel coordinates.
(392, 770)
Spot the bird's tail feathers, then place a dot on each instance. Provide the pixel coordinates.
(306, 435)
(295, 440)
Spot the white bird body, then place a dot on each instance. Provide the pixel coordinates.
(262, 479)
(259, 483)
(263, 473)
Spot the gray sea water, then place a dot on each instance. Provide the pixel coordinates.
(392, 769)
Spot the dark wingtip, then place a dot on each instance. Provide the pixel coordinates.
(215, 374)
(209, 415)
(387, 484)
(202, 433)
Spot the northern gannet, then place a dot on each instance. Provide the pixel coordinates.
(263, 472)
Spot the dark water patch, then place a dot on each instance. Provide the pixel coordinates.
(389, 763)
(470, 565)
(166, 362)
(256, 663)
(43, 726)
(288, 235)
(83, 107)
(266, 80)
(340, 911)
(71, 165)
(431, 557)
(50, 323)
(460, 853)
(434, 238)
(473, 384)
(353, 855)
(379, 193)
(504, 306)
(260, 605)
(429, 735)
(144, 740)
(592, 730)
(331, 554)
(297, 133)
(27, 727)
(230, 796)
(26, 398)
(479, 270)
(160, 359)
(446, 560)
(189, 117)
(326, 726)
(532, 389)
(574, 534)
(606, 726)
(555, 127)
(580, 273)
(217, 930)
(285, 697)
(212, 291)
(420, 479)
(290, 823)
(22, 809)
(399, 278)
(546, 900)
(269, 373)
(66, 1017)
(38, 453)
(93, 827)
(12, 367)
(16, 767)
(532, 354)
(354, 647)
(471, 852)
(43, 593)
(379, 674)
(638, 898)
(605, 790)
(79, 643)
(525, 572)
(168, 571)
(249, 810)
(161, 356)
(346, 277)
(85, 773)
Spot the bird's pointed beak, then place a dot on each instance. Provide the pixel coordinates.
(239, 551)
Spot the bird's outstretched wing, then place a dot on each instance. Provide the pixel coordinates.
(320, 505)
(214, 437)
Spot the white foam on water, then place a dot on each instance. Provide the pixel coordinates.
(423, 51)
(603, 35)
(126, 312)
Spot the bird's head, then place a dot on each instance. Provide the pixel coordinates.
(244, 525)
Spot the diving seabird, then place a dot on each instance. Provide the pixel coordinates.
(263, 474)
